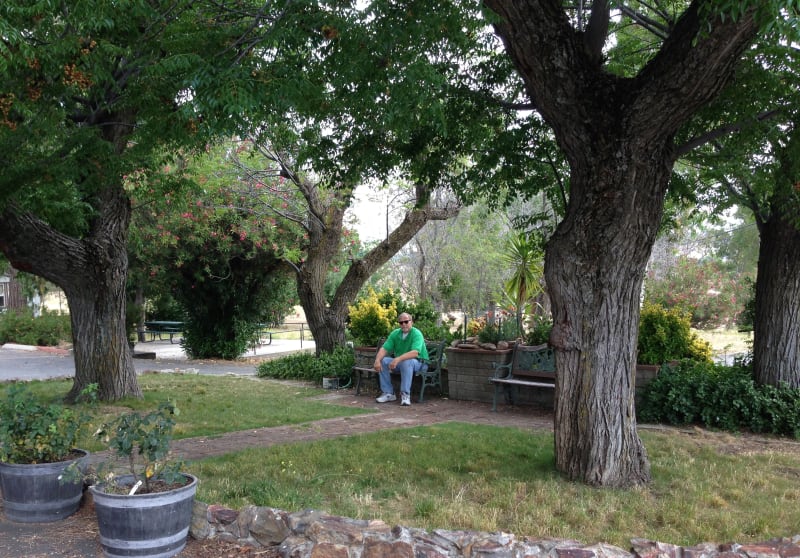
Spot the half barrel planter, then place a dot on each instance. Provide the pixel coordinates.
(36, 493)
(144, 525)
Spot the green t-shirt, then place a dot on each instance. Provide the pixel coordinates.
(396, 345)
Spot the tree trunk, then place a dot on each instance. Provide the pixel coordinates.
(594, 267)
(617, 135)
(776, 328)
(93, 273)
(327, 321)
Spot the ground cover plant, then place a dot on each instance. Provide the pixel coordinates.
(464, 476)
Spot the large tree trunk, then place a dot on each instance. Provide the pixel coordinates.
(617, 135)
(93, 273)
(776, 327)
(594, 269)
(776, 339)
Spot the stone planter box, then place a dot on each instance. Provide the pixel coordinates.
(469, 370)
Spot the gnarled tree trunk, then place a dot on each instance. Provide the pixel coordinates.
(616, 133)
(93, 273)
(776, 335)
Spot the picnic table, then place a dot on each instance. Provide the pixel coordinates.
(163, 327)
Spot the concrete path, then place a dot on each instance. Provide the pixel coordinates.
(25, 362)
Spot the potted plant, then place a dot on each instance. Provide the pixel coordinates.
(144, 500)
(37, 447)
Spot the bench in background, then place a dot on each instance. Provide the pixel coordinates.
(530, 366)
(161, 327)
(362, 369)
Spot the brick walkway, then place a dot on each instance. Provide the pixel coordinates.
(386, 416)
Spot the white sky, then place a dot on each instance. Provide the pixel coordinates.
(370, 215)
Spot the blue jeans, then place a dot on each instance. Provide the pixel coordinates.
(407, 370)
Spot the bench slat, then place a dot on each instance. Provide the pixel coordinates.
(528, 367)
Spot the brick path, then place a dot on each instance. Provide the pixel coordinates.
(386, 416)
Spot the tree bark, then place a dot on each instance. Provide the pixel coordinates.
(93, 273)
(617, 136)
(327, 321)
(776, 328)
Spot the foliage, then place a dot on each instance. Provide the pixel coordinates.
(369, 320)
(525, 257)
(308, 367)
(143, 441)
(538, 332)
(218, 255)
(49, 329)
(712, 294)
(501, 330)
(32, 431)
(748, 316)
(665, 335)
(718, 396)
(426, 318)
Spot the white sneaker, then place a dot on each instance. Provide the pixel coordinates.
(386, 397)
(405, 399)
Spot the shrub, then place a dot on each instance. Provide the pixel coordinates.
(718, 396)
(308, 367)
(711, 292)
(665, 335)
(32, 431)
(504, 330)
(539, 328)
(370, 321)
(49, 329)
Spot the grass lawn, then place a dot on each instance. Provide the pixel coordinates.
(706, 486)
(465, 476)
(726, 341)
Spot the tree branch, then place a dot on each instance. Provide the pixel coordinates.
(716, 133)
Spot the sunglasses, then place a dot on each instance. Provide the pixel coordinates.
(401, 322)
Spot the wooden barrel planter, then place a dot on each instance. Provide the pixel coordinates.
(36, 493)
(144, 525)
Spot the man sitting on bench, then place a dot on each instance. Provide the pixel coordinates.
(408, 346)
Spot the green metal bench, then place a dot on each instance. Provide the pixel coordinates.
(363, 367)
(530, 366)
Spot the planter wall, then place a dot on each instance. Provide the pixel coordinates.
(144, 525)
(469, 370)
(34, 493)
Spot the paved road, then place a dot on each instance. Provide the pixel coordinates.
(21, 362)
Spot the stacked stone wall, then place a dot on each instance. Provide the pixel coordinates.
(314, 534)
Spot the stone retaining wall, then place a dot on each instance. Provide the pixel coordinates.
(314, 534)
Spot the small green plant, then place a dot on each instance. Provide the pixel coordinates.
(504, 330)
(35, 432)
(143, 441)
(539, 328)
(665, 335)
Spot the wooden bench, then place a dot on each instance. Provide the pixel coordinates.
(530, 366)
(363, 367)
